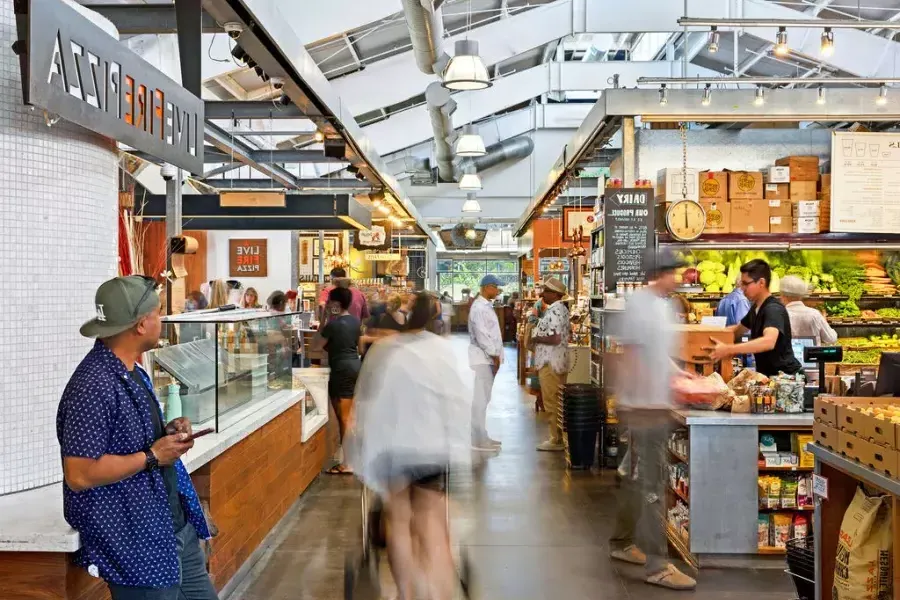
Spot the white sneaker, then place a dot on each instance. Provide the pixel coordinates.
(550, 446)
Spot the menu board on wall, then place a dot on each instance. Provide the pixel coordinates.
(629, 215)
(248, 258)
(865, 182)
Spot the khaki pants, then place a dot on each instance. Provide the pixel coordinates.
(550, 382)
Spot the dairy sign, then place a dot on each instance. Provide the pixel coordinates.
(248, 258)
(76, 70)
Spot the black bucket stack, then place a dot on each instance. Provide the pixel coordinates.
(580, 418)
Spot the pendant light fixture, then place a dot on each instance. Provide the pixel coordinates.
(466, 70)
(470, 181)
(471, 205)
(470, 142)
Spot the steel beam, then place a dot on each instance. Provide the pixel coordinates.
(137, 19)
(248, 109)
(188, 18)
(237, 150)
(263, 157)
(321, 184)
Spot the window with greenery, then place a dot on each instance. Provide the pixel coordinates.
(455, 275)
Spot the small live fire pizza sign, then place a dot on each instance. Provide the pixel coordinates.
(248, 258)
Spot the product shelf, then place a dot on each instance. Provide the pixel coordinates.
(680, 495)
(798, 509)
(682, 546)
(678, 457)
(772, 550)
(786, 241)
(790, 469)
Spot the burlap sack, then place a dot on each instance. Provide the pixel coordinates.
(862, 569)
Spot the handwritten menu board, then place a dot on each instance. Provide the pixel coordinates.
(629, 215)
(865, 182)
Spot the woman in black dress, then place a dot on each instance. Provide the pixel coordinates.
(340, 338)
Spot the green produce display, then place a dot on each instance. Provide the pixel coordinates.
(849, 280)
(845, 308)
(873, 341)
(888, 313)
(862, 357)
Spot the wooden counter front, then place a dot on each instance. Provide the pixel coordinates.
(248, 489)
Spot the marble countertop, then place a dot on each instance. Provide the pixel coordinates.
(32, 521)
(719, 417)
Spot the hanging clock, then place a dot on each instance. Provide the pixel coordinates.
(685, 220)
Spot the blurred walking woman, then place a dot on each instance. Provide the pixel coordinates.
(414, 422)
(340, 338)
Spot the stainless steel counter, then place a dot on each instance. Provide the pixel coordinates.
(718, 417)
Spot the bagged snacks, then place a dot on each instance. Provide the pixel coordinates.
(774, 496)
(801, 526)
(862, 568)
(781, 530)
(804, 489)
(789, 493)
(762, 525)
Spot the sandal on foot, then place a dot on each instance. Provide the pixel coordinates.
(672, 578)
(339, 470)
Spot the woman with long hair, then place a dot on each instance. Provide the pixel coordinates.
(414, 423)
(250, 299)
(218, 293)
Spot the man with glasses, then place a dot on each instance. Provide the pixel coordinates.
(125, 488)
(767, 322)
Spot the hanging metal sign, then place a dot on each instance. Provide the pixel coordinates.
(73, 68)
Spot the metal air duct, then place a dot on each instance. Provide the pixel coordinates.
(516, 148)
(440, 108)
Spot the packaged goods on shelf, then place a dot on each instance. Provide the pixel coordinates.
(679, 519)
(798, 447)
(803, 168)
(675, 183)
(782, 394)
(775, 530)
(778, 175)
(678, 443)
(745, 184)
(749, 216)
(803, 190)
(718, 216)
(714, 185)
(806, 208)
(777, 191)
(806, 225)
(780, 207)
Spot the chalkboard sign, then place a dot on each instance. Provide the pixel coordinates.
(629, 215)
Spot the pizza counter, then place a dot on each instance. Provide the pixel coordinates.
(260, 464)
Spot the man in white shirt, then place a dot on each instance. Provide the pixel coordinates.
(805, 320)
(551, 356)
(485, 356)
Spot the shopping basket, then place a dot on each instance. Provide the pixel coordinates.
(801, 561)
(362, 566)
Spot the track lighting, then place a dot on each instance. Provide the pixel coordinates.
(820, 99)
(713, 45)
(826, 47)
(319, 136)
(881, 100)
(663, 95)
(760, 98)
(781, 45)
(707, 96)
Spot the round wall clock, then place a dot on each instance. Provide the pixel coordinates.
(685, 220)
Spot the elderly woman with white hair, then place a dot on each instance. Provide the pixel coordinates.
(805, 320)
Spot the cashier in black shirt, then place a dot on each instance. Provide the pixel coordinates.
(768, 325)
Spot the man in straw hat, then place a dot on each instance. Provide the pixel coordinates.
(125, 488)
(551, 356)
(805, 321)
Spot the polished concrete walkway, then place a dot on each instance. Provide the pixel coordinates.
(533, 530)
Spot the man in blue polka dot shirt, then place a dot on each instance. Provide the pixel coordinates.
(126, 490)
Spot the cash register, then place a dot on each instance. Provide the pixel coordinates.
(816, 356)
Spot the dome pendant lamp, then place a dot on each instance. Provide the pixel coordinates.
(470, 182)
(470, 142)
(471, 205)
(466, 70)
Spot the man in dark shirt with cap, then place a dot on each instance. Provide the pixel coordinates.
(767, 322)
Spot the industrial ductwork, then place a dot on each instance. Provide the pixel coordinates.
(516, 148)
(426, 30)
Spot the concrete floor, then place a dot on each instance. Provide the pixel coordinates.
(533, 530)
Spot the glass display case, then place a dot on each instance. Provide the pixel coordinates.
(219, 365)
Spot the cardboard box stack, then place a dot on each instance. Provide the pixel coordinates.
(714, 199)
(866, 430)
(749, 210)
(672, 183)
(803, 188)
(824, 197)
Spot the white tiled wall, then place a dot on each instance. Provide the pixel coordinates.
(58, 237)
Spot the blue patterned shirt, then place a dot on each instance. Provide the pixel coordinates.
(126, 528)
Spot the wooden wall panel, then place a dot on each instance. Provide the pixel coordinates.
(196, 263)
(46, 576)
(155, 254)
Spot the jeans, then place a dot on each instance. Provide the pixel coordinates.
(195, 583)
(642, 499)
(484, 383)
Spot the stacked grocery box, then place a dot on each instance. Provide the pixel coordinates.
(866, 430)
(802, 191)
(824, 197)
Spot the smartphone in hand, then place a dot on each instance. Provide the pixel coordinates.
(201, 433)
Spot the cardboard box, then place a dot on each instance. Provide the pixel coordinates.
(745, 184)
(825, 408)
(875, 457)
(697, 337)
(718, 216)
(806, 225)
(777, 191)
(749, 216)
(669, 184)
(805, 208)
(825, 183)
(714, 185)
(803, 190)
(803, 168)
(780, 208)
(826, 436)
(779, 224)
(778, 175)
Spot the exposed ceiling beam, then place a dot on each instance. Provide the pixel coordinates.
(818, 7)
(293, 156)
(223, 169)
(322, 184)
(137, 19)
(248, 109)
(238, 150)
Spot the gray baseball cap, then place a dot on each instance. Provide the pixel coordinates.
(120, 303)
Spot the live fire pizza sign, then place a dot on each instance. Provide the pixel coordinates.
(248, 258)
